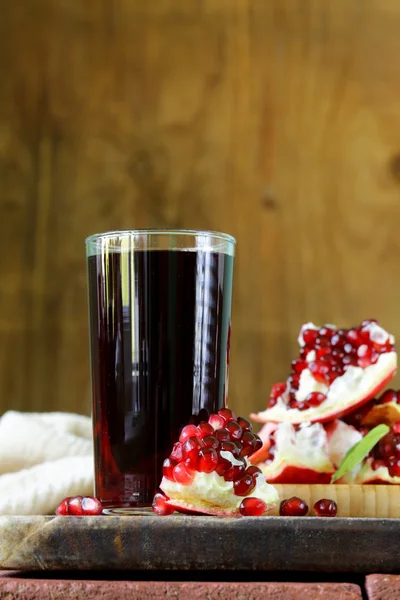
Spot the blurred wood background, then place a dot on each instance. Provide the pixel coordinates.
(277, 121)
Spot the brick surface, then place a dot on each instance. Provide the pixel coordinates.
(383, 587)
(13, 587)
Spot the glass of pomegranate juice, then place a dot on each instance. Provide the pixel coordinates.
(159, 320)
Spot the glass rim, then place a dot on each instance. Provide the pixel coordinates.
(226, 237)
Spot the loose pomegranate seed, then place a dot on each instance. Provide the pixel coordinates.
(244, 486)
(234, 472)
(388, 396)
(160, 506)
(216, 421)
(309, 336)
(325, 508)
(210, 441)
(235, 431)
(253, 470)
(222, 435)
(244, 424)
(394, 466)
(168, 468)
(227, 414)
(298, 366)
(62, 508)
(91, 506)
(189, 431)
(207, 461)
(315, 398)
(320, 371)
(252, 507)
(177, 452)
(293, 507)
(183, 474)
(191, 449)
(206, 429)
(277, 390)
(75, 506)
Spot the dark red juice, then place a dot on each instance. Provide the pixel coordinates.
(159, 323)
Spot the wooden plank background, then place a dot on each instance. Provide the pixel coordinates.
(275, 120)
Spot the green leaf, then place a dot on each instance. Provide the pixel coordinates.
(359, 451)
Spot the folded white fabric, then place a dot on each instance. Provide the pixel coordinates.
(44, 457)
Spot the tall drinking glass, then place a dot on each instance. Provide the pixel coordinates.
(159, 317)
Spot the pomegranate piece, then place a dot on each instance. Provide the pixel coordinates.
(327, 354)
(325, 508)
(252, 507)
(79, 506)
(245, 485)
(160, 506)
(189, 431)
(293, 507)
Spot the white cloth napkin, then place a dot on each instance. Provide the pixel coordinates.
(44, 457)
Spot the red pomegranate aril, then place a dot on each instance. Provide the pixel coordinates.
(272, 402)
(322, 342)
(62, 508)
(349, 349)
(396, 428)
(326, 332)
(323, 353)
(393, 465)
(222, 435)
(177, 452)
(228, 446)
(235, 431)
(277, 391)
(298, 366)
(377, 464)
(168, 468)
(315, 398)
(388, 396)
(325, 508)
(320, 371)
(160, 506)
(252, 507)
(244, 486)
(91, 506)
(223, 466)
(183, 474)
(227, 414)
(248, 443)
(337, 341)
(309, 336)
(244, 424)
(189, 431)
(234, 472)
(210, 441)
(191, 449)
(293, 507)
(75, 506)
(354, 337)
(253, 470)
(207, 461)
(205, 428)
(258, 444)
(216, 421)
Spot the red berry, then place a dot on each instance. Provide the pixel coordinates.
(91, 506)
(309, 336)
(168, 468)
(207, 461)
(160, 506)
(252, 507)
(293, 507)
(245, 485)
(298, 366)
(75, 506)
(320, 371)
(62, 508)
(315, 398)
(325, 508)
(183, 474)
(189, 431)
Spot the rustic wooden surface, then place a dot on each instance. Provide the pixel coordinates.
(275, 120)
(152, 543)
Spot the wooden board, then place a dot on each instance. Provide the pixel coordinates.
(200, 543)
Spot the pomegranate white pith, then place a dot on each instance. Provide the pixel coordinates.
(337, 371)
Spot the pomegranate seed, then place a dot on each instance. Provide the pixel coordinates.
(253, 470)
(244, 486)
(323, 353)
(368, 322)
(91, 506)
(75, 506)
(223, 466)
(325, 508)
(62, 508)
(248, 443)
(348, 349)
(315, 398)
(222, 435)
(183, 474)
(244, 424)
(394, 466)
(216, 421)
(160, 506)
(229, 447)
(293, 507)
(319, 371)
(234, 472)
(168, 468)
(322, 342)
(258, 444)
(277, 390)
(377, 464)
(189, 431)
(177, 452)
(309, 336)
(210, 441)
(337, 341)
(327, 332)
(396, 428)
(252, 507)
(206, 429)
(294, 381)
(235, 431)
(298, 366)
(354, 337)
(388, 396)
(207, 461)
(227, 414)
(272, 402)
(191, 449)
